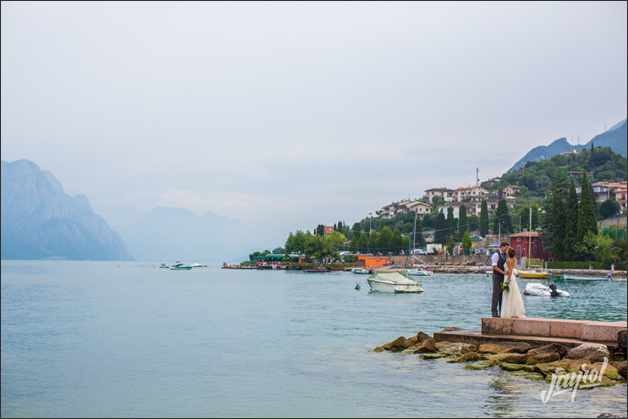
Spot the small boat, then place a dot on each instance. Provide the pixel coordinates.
(419, 272)
(180, 267)
(541, 290)
(164, 266)
(586, 278)
(533, 275)
(198, 265)
(360, 271)
(393, 282)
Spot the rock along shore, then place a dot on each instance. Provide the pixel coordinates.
(534, 362)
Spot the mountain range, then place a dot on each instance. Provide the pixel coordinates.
(167, 234)
(615, 138)
(40, 221)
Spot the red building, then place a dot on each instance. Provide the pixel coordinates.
(532, 240)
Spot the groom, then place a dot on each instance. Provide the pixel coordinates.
(498, 260)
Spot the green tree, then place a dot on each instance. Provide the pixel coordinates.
(385, 242)
(440, 227)
(586, 211)
(466, 242)
(462, 221)
(502, 218)
(554, 228)
(609, 208)
(451, 223)
(484, 219)
(571, 223)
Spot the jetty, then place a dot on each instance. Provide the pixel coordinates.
(539, 331)
(534, 348)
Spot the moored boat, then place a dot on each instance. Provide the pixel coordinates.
(393, 282)
(180, 267)
(360, 271)
(419, 272)
(533, 275)
(570, 277)
(541, 290)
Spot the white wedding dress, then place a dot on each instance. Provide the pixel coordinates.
(512, 302)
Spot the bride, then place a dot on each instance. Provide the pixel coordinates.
(512, 303)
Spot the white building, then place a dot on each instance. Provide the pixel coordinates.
(404, 207)
(470, 193)
(445, 193)
(419, 207)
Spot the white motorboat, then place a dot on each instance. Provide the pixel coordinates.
(393, 282)
(180, 267)
(541, 290)
(198, 265)
(360, 271)
(586, 278)
(419, 272)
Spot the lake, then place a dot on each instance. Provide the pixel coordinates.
(130, 339)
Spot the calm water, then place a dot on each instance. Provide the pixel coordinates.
(129, 339)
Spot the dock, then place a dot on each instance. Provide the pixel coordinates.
(538, 331)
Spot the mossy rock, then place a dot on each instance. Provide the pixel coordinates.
(467, 357)
(479, 365)
(610, 372)
(511, 358)
(436, 355)
(511, 367)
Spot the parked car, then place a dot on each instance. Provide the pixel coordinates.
(419, 252)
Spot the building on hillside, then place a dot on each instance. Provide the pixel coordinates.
(445, 193)
(616, 190)
(456, 207)
(328, 230)
(419, 207)
(532, 240)
(470, 193)
(404, 207)
(511, 191)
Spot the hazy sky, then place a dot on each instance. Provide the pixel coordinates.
(299, 113)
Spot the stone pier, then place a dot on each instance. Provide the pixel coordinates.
(539, 331)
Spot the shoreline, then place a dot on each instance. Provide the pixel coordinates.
(436, 268)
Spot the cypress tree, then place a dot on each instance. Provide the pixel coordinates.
(586, 212)
(484, 219)
(502, 217)
(440, 235)
(555, 223)
(571, 223)
(451, 223)
(462, 221)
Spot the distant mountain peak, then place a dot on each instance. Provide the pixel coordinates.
(614, 138)
(39, 220)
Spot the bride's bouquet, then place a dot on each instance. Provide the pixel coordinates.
(506, 286)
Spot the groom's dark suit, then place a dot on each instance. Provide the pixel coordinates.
(498, 279)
